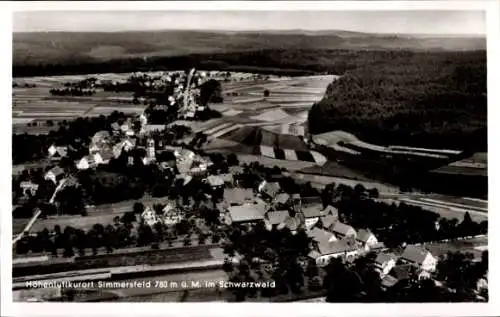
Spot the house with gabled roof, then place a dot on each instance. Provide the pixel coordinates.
(366, 239)
(55, 174)
(419, 257)
(269, 190)
(343, 231)
(57, 152)
(275, 219)
(244, 214)
(86, 162)
(326, 249)
(384, 262)
(314, 213)
(293, 223)
(281, 199)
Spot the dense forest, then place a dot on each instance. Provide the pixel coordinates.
(435, 100)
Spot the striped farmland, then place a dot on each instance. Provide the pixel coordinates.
(292, 155)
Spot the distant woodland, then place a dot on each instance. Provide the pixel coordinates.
(435, 100)
(394, 90)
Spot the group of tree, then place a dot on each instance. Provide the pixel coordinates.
(396, 224)
(74, 92)
(433, 100)
(210, 91)
(126, 231)
(281, 249)
(75, 134)
(460, 272)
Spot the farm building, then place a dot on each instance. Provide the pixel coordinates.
(342, 230)
(384, 262)
(55, 174)
(420, 258)
(313, 214)
(269, 190)
(326, 246)
(248, 213)
(366, 239)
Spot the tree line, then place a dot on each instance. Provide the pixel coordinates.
(435, 100)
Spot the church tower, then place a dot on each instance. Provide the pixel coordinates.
(151, 150)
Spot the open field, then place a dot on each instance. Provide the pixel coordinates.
(36, 105)
(442, 206)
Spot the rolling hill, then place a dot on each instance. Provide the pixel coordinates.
(72, 47)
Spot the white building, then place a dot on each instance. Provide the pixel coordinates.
(55, 174)
(366, 239)
(384, 262)
(149, 216)
(419, 257)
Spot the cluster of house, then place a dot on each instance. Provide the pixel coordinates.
(330, 237)
(415, 263)
(171, 214)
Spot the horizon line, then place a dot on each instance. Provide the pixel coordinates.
(265, 31)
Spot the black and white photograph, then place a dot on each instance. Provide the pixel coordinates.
(248, 155)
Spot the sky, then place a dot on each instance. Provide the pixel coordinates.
(404, 22)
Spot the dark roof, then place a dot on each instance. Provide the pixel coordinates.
(402, 272)
(342, 228)
(389, 281)
(363, 235)
(384, 257)
(414, 254)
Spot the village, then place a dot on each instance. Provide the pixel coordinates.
(212, 195)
